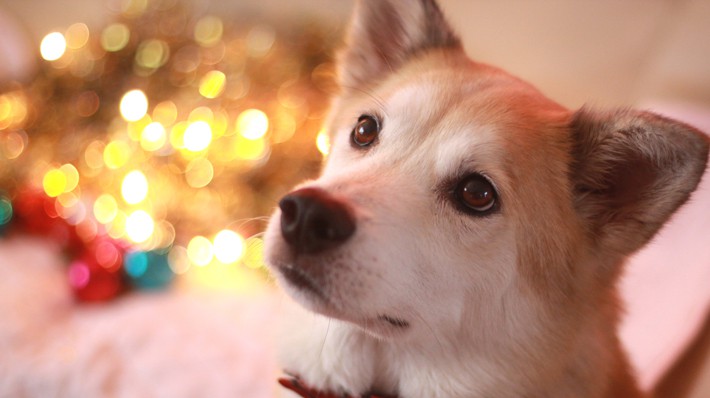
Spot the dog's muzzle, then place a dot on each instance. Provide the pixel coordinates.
(313, 221)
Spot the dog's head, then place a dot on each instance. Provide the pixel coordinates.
(457, 199)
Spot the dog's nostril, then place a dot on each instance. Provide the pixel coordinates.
(312, 221)
(289, 209)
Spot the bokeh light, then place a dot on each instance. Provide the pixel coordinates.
(165, 113)
(54, 183)
(198, 136)
(139, 226)
(153, 137)
(134, 188)
(115, 37)
(5, 210)
(252, 124)
(200, 251)
(71, 175)
(199, 173)
(134, 105)
(212, 84)
(254, 255)
(116, 154)
(323, 142)
(53, 46)
(208, 31)
(228, 246)
(152, 54)
(77, 35)
(105, 208)
(178, 260)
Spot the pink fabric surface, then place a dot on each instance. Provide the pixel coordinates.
(171, 344)
(667, 284)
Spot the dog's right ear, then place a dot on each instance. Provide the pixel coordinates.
(384, 34)
(632, 170)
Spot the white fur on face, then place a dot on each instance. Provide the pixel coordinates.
(414, 258)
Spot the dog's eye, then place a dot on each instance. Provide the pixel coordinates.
(477, 194)
(366, 131)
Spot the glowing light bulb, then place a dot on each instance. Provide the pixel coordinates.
(53, 46)
(134, 105)
(134, 188)
(228, 246)
(198, 136)
(252, 124)
(323, 142)
(139, 226)
(200, 251)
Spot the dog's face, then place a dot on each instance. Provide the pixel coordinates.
(457, 200)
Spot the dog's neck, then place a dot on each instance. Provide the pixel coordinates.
(336, 356)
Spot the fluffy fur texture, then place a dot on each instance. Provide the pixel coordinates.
(425, 300)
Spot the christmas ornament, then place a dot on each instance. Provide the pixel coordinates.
(5, 212)
(148, 270)
(96, 275)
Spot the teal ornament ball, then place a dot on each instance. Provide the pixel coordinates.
(5, 213)
(148, 270)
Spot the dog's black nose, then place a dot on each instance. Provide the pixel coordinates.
(312, 221)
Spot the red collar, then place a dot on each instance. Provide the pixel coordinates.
(295, 384)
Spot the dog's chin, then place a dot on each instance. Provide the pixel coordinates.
(308, 291)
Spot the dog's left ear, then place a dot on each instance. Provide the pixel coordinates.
(384, 34)
(631, 170)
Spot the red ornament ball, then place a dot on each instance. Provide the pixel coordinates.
(96, 275)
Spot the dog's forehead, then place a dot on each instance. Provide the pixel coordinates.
(458, 119)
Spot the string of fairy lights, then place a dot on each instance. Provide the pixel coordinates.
(168, 135)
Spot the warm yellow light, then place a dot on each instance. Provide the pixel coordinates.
(254, 255)
(134, 188)
(199, 173)
(116, 154)
(139, 226)
(198, 136)
(212, 84)
(117, 228)
(54, 183)
(208, 31)
(165, 113)
(152, 54)
(250, 149)
(178, 260)
(71, 174)
(199, 250)
(105, 208)
(252, 124)
(53, 46)
(153, 137)
(228, 246)
(77, 35)
(323, 142)
(134, 105)
(115, 37)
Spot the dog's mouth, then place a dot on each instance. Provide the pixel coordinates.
(396, 322)
(301, 280)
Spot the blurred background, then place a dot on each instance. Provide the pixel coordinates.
(144, 142)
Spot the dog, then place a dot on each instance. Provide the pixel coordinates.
(466, 234)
